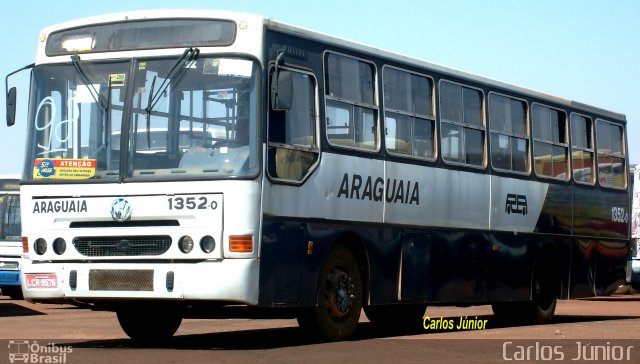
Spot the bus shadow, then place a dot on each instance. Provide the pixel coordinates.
(633, 298)
(274, 338)
(8, 309)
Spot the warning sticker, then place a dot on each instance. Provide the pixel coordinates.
(64, 168)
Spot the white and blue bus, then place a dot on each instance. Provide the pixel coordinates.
(306, 176)
(11, 250)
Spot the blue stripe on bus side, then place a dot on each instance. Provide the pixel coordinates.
(438, 266)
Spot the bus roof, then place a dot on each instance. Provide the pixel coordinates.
(12, 176)
(321, 37)
(9, 182)
(305, 33)
(155, 14)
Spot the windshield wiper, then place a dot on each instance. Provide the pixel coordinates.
(176, 72)
(75, 59)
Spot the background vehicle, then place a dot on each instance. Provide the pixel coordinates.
(635, 228)
(11, 252)
(319, 179)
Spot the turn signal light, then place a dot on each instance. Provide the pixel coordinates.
(25, 244)
(241, 243)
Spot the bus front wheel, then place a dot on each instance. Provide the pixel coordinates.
(339, 300)
(150, 324)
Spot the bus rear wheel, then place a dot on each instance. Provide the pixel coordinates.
(150, 324)
(541, 309)
(339, 300)
(545, 296)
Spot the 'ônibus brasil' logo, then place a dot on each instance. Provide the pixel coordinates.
(121, 209)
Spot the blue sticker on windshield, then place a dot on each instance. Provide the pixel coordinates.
(45, 168)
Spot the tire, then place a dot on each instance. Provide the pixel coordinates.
(339, 300)
(397, 317)
(150, 324)
(545, 295)
(15, 293)
(544, 292)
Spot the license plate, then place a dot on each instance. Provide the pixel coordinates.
(41, 280)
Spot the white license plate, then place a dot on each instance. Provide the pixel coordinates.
(41, 280)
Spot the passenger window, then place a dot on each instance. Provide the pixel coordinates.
(408, 111)
(462, 122)
(582, 151)
(509, 134)
(611, 154)
(351, 110)
(550, 142)
(293, 147)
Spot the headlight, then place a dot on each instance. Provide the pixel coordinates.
(207, 244)
(185, 244)
(59, 246)
(40, 246)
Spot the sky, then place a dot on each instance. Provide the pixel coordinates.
(583, 50)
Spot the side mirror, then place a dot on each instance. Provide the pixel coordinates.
(11, 95)
(11, 106)
(281, 90)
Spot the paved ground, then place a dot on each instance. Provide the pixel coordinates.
(611, 324)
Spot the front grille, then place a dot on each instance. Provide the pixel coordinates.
(120, 280)
(9, 265)
(119, 246)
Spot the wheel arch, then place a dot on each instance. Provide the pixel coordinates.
(338, 298)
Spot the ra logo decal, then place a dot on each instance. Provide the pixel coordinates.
(516, 204)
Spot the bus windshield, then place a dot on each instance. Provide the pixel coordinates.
(10, 212)
(143, 119)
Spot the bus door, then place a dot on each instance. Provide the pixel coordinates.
(292, 154)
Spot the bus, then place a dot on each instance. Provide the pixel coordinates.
(11, 250)
(635, 228)
(325, 178)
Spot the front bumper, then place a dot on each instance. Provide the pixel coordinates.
(635, 270)
(234, 280)
(9, 278)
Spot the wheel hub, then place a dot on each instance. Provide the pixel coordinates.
(339, 293)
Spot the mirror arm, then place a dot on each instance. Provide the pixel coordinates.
(274, 81)
(6, 79)
(279, 59)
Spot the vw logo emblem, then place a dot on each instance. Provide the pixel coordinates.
(121, 209)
